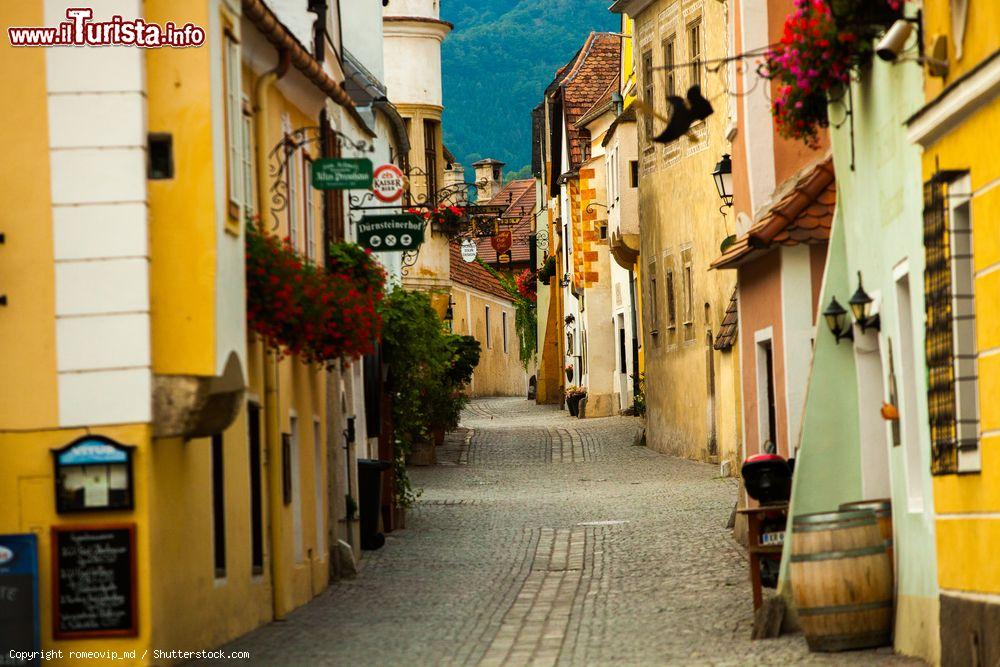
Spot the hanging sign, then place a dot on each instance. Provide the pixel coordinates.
(19, 626)
(342, 173)
(387, 183)
(391, 233)
(93, 581)
(93, 473)
(469, 250)
(502, 240)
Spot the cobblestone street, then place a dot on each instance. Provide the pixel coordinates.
(545, 540)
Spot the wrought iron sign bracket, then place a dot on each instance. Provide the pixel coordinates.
(281, 154)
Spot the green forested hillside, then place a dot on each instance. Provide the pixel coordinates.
(497, 62)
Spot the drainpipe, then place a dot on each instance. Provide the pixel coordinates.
(272, 424)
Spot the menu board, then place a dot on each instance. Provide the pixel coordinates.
(19, 632)
(93, 581)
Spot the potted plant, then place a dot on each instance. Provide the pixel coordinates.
(548, 270)
(569, 372)
(574, 395)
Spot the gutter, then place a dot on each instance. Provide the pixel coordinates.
(272, 423)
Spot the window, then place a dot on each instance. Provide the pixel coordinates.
(652, 294)
(234, 124)
(256, 492)
(694, 51)
(633, 166)
(767, 432)
(503, 328)
(307, 207)
(671, 301)
(952, 357)
(161, 156)
(218, 507)
(668, 64)
(293, 200)
(430, 158)
(489, 342)
(647, 92)
(248, 160)
(688, 286)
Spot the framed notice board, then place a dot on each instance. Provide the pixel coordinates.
(93, 473)
(19, 627)
(93, 581)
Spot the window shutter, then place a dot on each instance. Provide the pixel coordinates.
(939, 346)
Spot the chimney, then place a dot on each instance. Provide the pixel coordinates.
(489, 178)
(454, 177)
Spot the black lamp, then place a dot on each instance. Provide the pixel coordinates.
(836, 321)
(861, 306)
(723, 175)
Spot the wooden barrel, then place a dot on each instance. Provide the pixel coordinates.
(842, 580)
(883, 515)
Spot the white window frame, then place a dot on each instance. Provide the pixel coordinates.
(248, 162)
(234, 120)
(966, 350)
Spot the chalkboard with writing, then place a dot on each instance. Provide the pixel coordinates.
(93, 581)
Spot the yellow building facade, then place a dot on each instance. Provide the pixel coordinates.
(126, 321)
(962, 239)
(681, 230)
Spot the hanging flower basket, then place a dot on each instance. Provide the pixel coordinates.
(301, 309)
(447, 219)
(815, 57)
(527, 285)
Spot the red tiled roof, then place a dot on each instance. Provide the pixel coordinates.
(603, 102)
(520, 197)
(803, 214)
(596, 67)
(473, 274)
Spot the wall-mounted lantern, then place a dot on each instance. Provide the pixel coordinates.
(723, 175)
(861, 306)
(836, 320)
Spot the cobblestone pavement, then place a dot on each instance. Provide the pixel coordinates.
(545, 540)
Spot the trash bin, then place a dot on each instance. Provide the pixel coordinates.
(369, 509)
